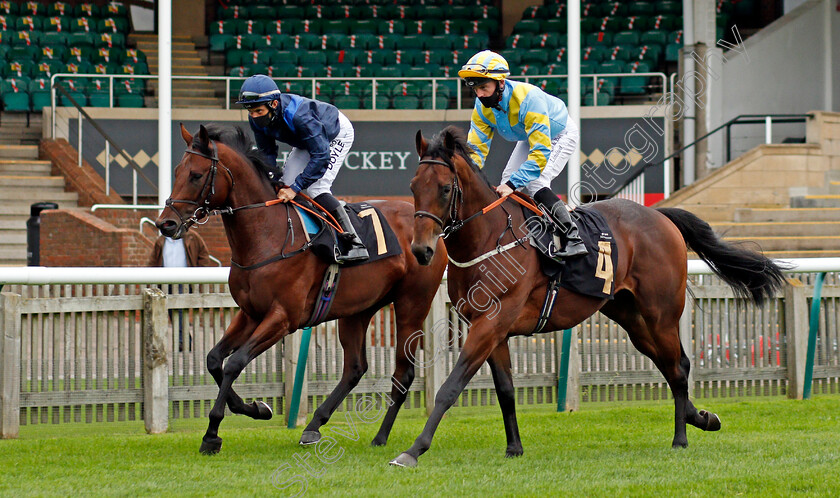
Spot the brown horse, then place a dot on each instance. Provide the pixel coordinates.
(220, 170)
(650, 281)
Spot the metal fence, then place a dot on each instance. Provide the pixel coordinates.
(78, 353)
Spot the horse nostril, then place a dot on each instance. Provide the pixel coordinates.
(423, 254)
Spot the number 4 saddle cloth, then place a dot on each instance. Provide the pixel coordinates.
(591, 274)
(371, 227)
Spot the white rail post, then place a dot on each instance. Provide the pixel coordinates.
(796, 336)
(686, 336)
(573, 381)
(155, 361)
(9, 365)
(434, 346)
(768, 130)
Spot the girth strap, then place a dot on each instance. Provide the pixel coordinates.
(324, 301)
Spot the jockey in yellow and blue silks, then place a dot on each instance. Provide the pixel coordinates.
(320, 136)
(540, 124)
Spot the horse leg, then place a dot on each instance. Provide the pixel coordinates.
(351, 334)
(481, 341)
(499, 362)
(273, 328)
(701, 419)
(409, 317)
(237, 333)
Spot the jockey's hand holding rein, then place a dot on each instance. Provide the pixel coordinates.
(286, 194)
(504, 190)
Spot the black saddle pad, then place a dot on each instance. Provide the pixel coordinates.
(371, 226)
(591, 274)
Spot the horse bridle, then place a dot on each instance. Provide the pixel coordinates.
(202, 211)
(453, 224)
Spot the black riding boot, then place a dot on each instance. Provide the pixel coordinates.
(558, 212)
(356, 251)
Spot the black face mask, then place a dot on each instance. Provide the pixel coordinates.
(493, 100)
(266, 119)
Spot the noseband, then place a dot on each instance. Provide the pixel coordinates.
(453, 224)
(202, 210)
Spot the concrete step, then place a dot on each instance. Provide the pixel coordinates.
(24, 167)
(32, 181)
(793, 243)
(151, 48)
(802, 254)
(31, 196)
(19, 152)
(815, 201)
(749, 215)
(778, 229)
(13, 222)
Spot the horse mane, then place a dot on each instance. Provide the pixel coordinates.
(237, 139)
(437, 148)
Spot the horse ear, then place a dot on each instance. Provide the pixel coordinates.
(449, 142)
(186, 135)
(421, 143)
(202, 135)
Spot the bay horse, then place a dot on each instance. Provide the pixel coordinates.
(221, 171)
(450, 194)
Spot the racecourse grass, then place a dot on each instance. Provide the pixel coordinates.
(767, 447)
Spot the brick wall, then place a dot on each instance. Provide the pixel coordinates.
(74, 237)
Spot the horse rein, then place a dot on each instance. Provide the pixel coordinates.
(202, 211)
(454, 224)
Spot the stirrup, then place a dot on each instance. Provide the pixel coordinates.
(573, 248)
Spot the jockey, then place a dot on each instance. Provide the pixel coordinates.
(320, 136)
(540, 124)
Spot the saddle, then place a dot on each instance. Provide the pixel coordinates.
(591, 274)
(371, 226)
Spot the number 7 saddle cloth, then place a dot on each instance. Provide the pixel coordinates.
(591, 274)
(371, 227)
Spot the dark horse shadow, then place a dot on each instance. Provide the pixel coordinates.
(649, 279)
(221, 171)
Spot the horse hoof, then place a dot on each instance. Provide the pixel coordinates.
(211, 446)
(404, 460)
(264, 411)
(513, 453)
(678, 446)
(309, 437)
(712, 421)
(378, 442)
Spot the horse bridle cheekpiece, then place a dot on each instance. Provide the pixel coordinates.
(453, 224)
(202, 211)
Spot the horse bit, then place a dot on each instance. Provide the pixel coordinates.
(454, 223)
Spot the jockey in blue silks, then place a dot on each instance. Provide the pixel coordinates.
(320, 136)
(540, 124)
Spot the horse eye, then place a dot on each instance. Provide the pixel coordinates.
(446, 189)
(195, 176)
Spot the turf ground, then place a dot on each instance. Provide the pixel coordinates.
(767, 447)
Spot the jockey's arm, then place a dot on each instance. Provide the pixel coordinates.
(534, 114)
(311, 131)
(480, 136)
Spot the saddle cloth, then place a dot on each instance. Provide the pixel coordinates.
(371, 226)
(592, 274)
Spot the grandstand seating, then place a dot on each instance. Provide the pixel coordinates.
(38, 40)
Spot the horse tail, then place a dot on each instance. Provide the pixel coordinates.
(750, 274)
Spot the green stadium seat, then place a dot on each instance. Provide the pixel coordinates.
(528, 26)
(405, 102)
(651, 54)
(129, 100)
(39, 92)
(634, 23)
(602, 38)
(86, 10)
(589, 25)
(56, 24)
(226, 27)
(420, 27)
(108, 55)
(519, 41)
(9, 8)
(305, 26)
(338, 26)
(219, 42)
(253, 69)
(369, 12)
(317, 11)
(535, 56)
(612, 67)
(262, 12)
(45, 69)
(512, 56)
(447, 27)
(301, 42)
(112, 25)
(279, 27)
(23, 53)
(386, 42)
(413, 42)
(488, 12)
(255, 27)
(656, 37)
(546, 41)
(29, 23)
(421, 71)
(641, 9)
(471, 42)
(289, 12)
(363, 27)
(242, 42)
(76, 67)
(398, 11)
(664, 22)
(105, 68)
(114, 9)
(478, 26)
(347, 101)
(14, 94)
(313, 58)
(7, 22)
(626, 38)
(32, 9)
(589, 9)
(296, 87)
(107, 40)
(80, 43)
(26, 38)
(595, 53)
(267, 42)
(393, 71)
(635, 85)
(554, 26)
(672, 52)
(619, 52)
(280, 57)
(233, 12)
(360, 41)
(55, 39)
(333, 42)
(669, 7)
(18, 69)
(555, 68)
(79, 97)
(83, 25)
(432, 12)
(588, 67)
(613, 9)
(390, 27)
(534, 12)
(133, 68)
